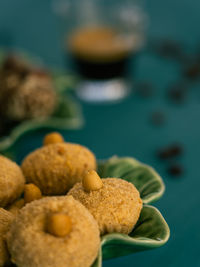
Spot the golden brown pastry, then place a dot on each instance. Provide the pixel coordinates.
(55, 168)
(16, 206)
(116, 204)
(54, 232)
(5, 220)
(11, 181)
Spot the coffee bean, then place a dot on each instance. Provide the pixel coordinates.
(158, 118)
(145, 89)
(178, 92)
(192, 72)
(170, 151)
(175, 169)
(168, 48)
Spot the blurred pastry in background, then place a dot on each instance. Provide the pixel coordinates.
(26, 92)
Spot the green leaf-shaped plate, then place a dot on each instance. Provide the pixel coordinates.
(98, 261)
(151, 230)
(68, 114)
(145, 178)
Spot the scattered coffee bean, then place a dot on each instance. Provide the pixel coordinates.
(197, 52)
(177, 93)
(175, 169)
(192, 72)
(158, 118)
(145, 89)
(169, 48)
(170, 151)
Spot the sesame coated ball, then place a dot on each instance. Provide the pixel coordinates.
(11, 181)
(57, 167)
(116, 205)
(30, 244)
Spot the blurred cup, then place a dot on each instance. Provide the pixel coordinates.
(101, 37)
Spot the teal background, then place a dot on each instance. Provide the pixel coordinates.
(124, 129)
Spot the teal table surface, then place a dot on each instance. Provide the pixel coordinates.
(124, 129)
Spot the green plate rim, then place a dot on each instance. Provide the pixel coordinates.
(130, 240)
(151, 197)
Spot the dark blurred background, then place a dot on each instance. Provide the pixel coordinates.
(126, 128)
(32, 25)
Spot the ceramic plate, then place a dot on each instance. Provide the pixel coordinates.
(151, 230)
